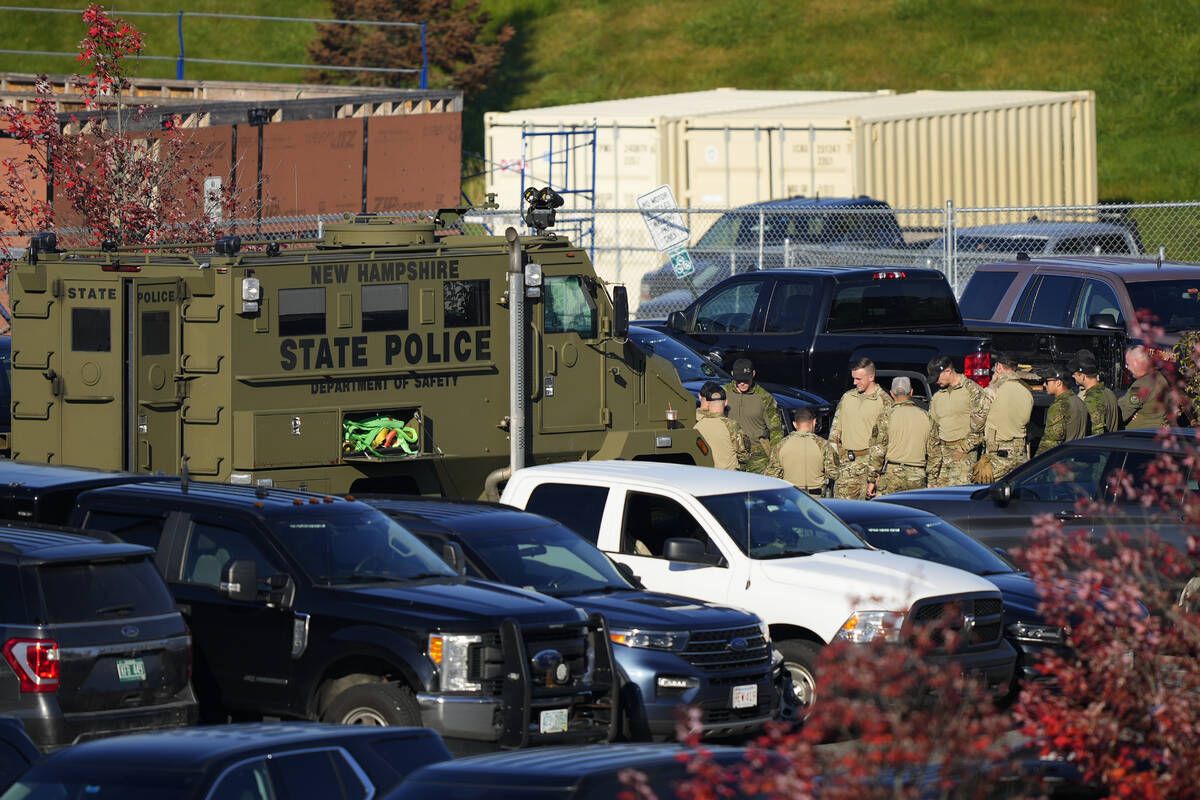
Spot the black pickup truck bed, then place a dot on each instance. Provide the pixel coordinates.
(803, 327)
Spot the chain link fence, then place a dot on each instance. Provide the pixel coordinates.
(724, 242)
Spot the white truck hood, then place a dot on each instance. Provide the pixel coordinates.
(872, 579)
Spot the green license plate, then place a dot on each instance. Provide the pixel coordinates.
(131, 669)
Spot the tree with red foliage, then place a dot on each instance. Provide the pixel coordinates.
(128, 187)
(460, 55)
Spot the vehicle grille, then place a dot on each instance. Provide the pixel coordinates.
(981, 619)
(712, 651)
(485, 664)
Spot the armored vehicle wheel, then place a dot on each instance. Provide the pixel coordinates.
(374, 704)
(800, 660)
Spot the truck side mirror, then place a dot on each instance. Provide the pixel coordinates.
(240, 581)
(1104, 322)
(1001, 492)
(452, 554)
(676, 321)
(690, 551)
(620, 299)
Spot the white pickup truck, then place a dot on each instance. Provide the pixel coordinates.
(758, 543)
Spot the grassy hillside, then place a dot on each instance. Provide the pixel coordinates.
(1141, 58)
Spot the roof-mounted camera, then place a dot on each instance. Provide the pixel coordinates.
(542, 202)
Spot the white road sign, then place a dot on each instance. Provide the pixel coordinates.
(662, 216)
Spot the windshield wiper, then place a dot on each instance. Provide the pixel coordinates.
(121, 610)
(845, 547)
(987, 572)
(788, 554)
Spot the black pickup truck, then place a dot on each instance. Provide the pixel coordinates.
(803, 327)
(315, 607)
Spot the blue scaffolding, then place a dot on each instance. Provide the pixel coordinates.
(567, 152)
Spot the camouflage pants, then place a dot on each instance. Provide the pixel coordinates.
(851, 483)
(1002, 465)
(760, 456)
(956, 467)
(900, 478)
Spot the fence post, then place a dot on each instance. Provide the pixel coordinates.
(179, 61)
(761, 228)
(949, 248)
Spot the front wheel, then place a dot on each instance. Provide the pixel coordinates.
(800, 660)
(374, 704)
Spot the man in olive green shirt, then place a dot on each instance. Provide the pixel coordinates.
(904, 446)
(851, 429)
(1103, 412)
(1067, 417)
(724, 437)
(959, 409)
(754, 409)
(1144, 405)
(1008, 415)
(804, 459)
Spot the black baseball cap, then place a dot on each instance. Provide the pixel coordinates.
(742, 370)
(714, 393)
(1084, 362)
(1055, 374)
(1000, 357)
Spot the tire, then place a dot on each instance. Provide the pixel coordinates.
(374, 704)
(800, 660)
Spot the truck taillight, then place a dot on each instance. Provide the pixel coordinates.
(36, 663)
(891, 273)
(978, 367)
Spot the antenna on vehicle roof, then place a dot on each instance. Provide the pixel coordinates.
(183, 476)
(1162, 251)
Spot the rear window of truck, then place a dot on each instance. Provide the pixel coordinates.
(111, 590)
(892, 302)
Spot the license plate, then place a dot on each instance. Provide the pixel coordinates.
(131, 669)
(553, 721)
(745, 696)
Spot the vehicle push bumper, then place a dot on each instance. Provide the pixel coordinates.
(533, 700)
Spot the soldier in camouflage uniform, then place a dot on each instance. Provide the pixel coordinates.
(754, 409)
(1103, 412)
(1066, 419)
(725, 439)
(804, 459)
(1010, 404)
(959, 409)
(1144, 404)
(904, 445)
(850, 431)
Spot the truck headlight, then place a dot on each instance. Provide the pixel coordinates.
(766, 631)
(870, 626)
(1038, 634)
(654, 640)
(449, 651)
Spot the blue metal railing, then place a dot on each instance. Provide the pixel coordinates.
(180, 60)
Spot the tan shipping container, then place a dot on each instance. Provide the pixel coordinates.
(635, 142)
(915, 150)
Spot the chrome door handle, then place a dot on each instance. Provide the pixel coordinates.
(1067, 516)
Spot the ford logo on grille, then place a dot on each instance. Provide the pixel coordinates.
(130, 631)
(738, 644)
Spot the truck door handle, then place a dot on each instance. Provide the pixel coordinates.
(793, 351)
(1067, 516)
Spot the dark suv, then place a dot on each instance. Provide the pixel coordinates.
(92, 642)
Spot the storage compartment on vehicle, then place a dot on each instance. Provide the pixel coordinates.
(382, 434)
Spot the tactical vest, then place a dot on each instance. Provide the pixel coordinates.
(857, 417)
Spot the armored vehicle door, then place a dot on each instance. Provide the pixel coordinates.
(154, 360)
(90, 387)
(571, 356)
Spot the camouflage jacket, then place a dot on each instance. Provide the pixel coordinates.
(1102, 409)
(1066, 419)
(1144, 405)
(756, 412)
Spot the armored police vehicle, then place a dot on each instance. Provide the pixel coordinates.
(376, 357)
